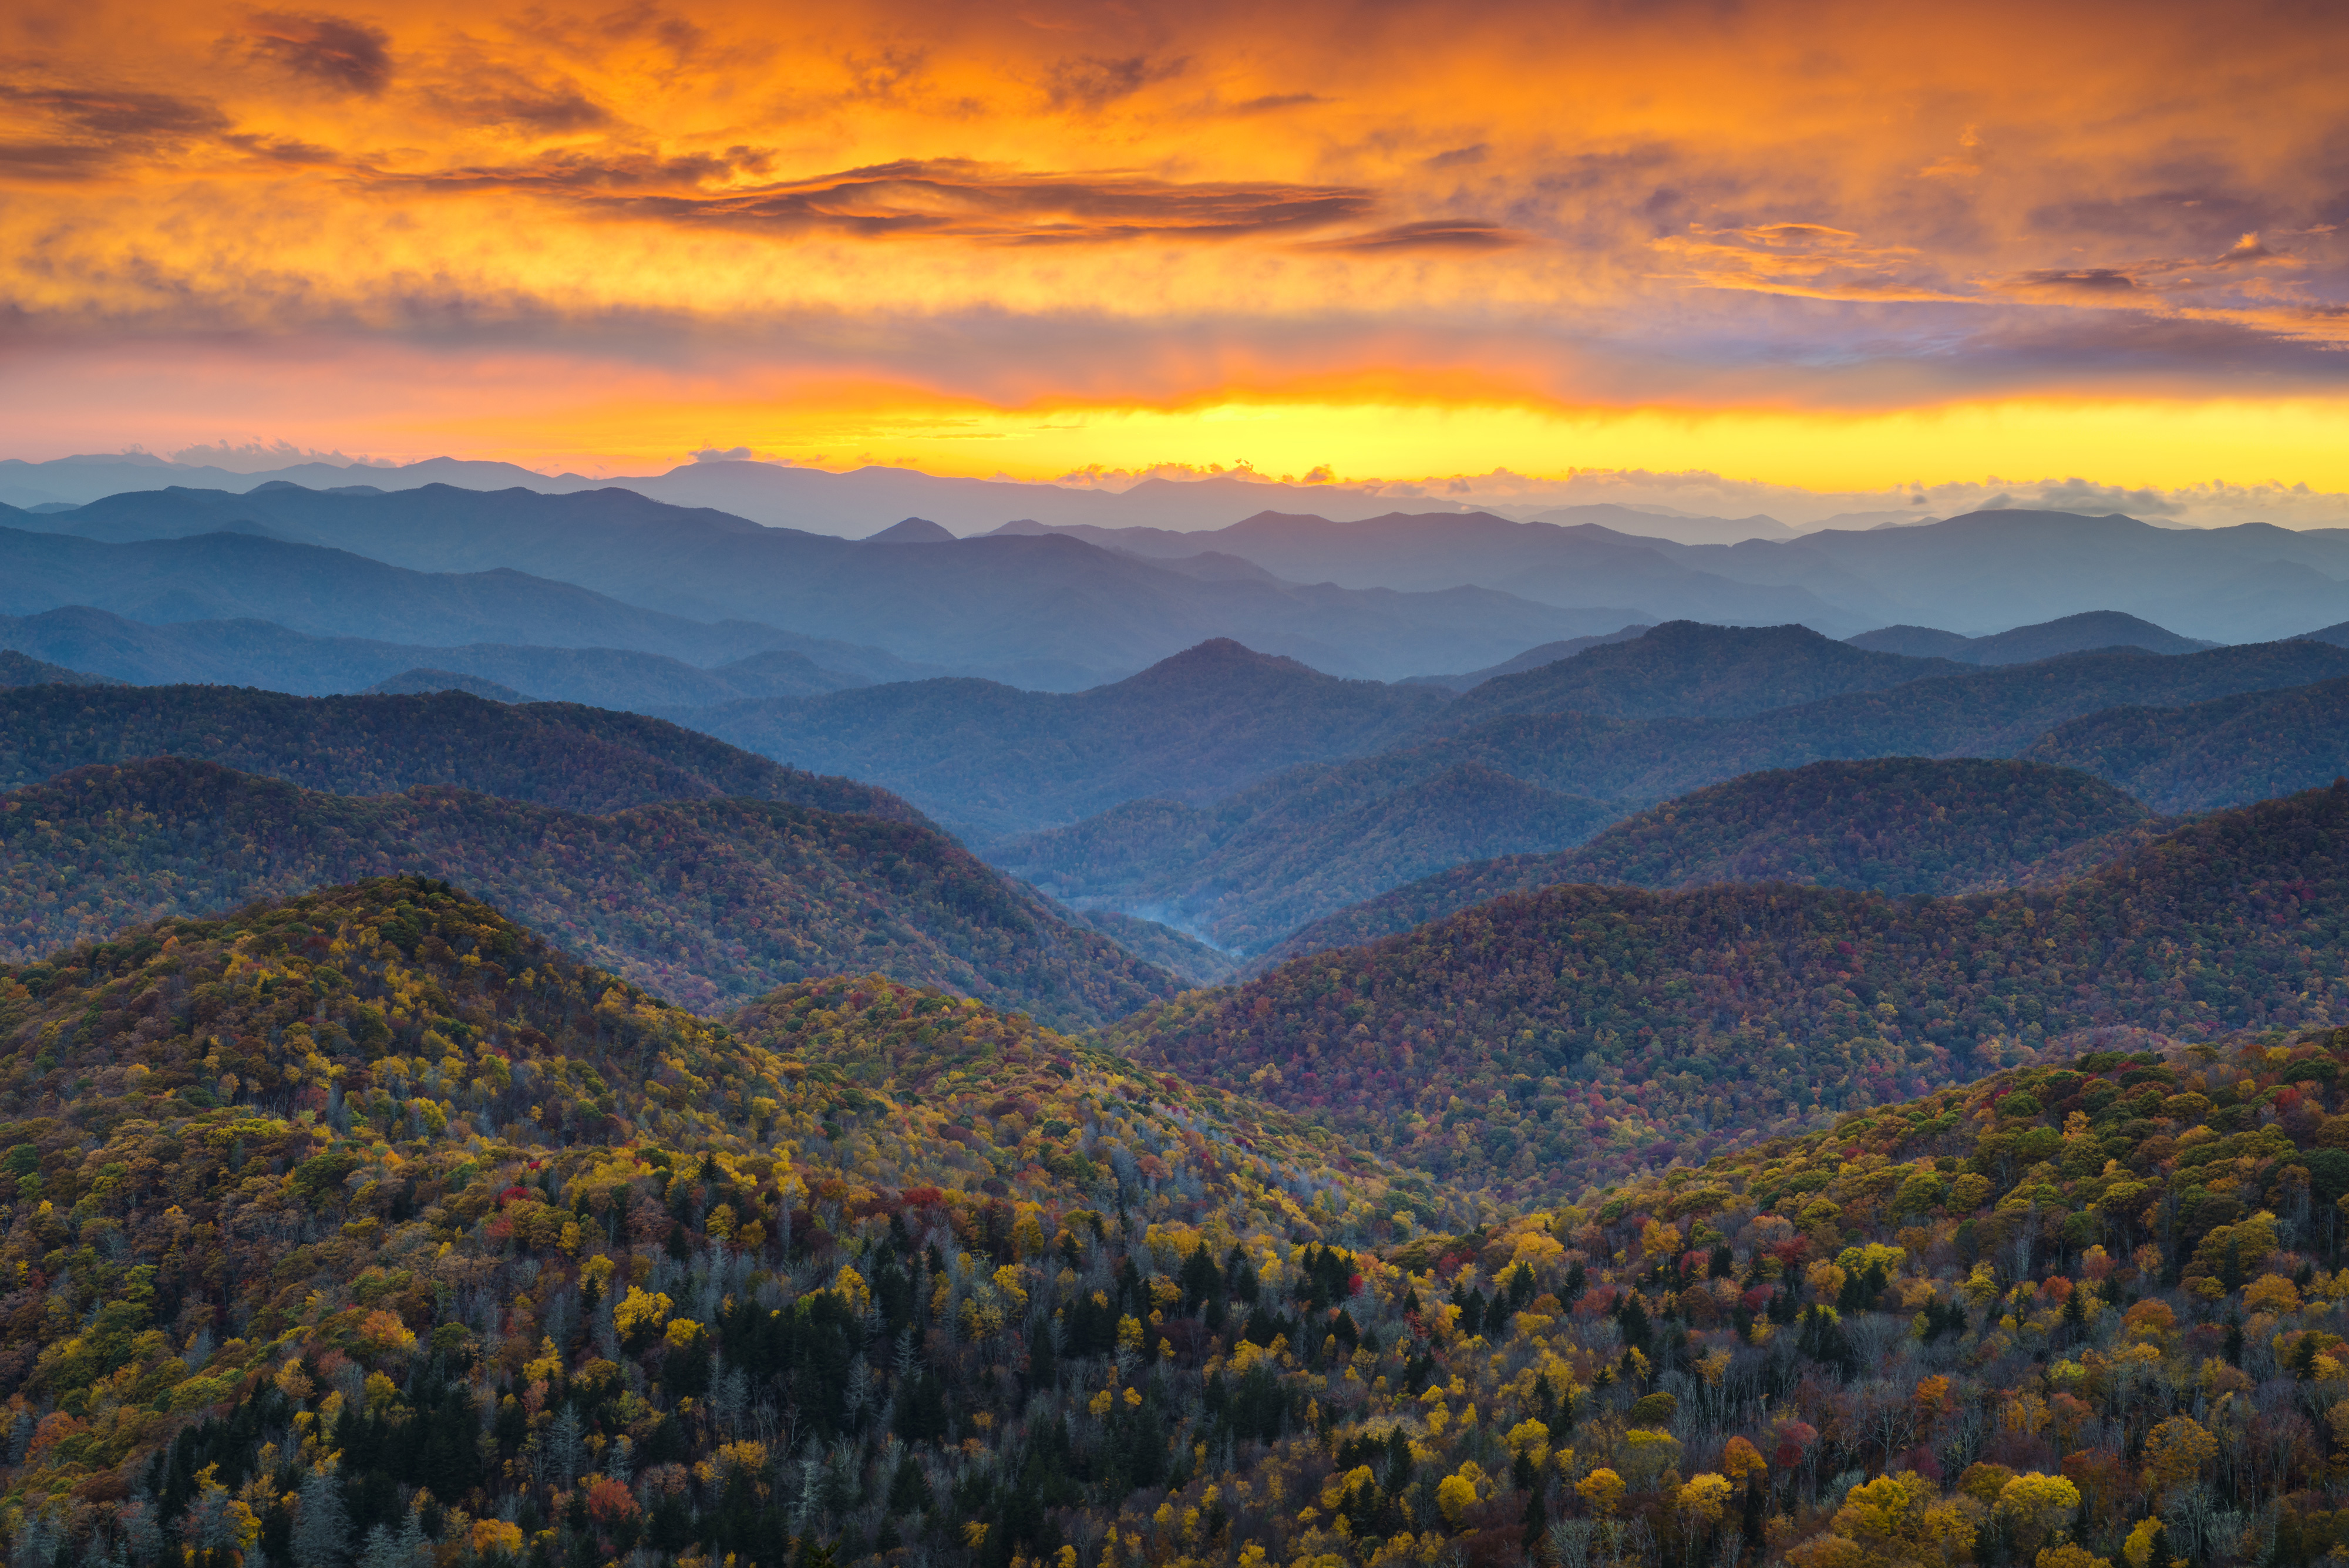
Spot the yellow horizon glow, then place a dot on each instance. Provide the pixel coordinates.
(2161, 444)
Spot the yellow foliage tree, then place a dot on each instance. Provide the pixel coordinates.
(1701, 1500)
(2037, 1506)
(2070, 1556)
(2175, 1453)
(850, 1286)
(2272, 1293)
(637, 1309)
(1453, 1493)
(1603, 1491)
(1900, 1519)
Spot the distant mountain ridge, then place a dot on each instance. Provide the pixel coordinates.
(23, 670)
(263, 653)
(1045, 612)
(991, 760)
(851, 504)
(1897, 825)
(2080, 633)
(1685, 669)
(549, 753)
(1251, 869)
(1422, 551)
(328, 592)
(2226, 751)
(1531, 659)
(2248, 582)
(1149, 855)
(418, 682)
(708, 902)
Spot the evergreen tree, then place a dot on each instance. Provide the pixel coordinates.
(321, 1527)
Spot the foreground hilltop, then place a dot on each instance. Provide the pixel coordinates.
(369, 1221)
(2079, 1314)
(1544, 1039)
(366, 1225)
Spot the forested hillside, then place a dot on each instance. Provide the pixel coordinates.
(2077, 1313)
(366, 1227)
(23, 670)
(2222, 753)
(1541, 1041)
(1898, 825)
(561, 754)
(991, 760)
(706, 901)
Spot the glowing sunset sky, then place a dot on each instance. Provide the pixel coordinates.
(1837, 245)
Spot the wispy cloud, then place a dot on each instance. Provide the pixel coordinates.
(937, 198)
(329, 51)
(1429, 234)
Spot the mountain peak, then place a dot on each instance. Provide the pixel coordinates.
(1222, 655)
(911, 531)
(423, 681)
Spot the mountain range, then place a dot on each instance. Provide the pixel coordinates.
(1555, 776)
(989, 759)
(854, 504)
(1045, 612)
(1422, 551)
(1973, 573)
(1981, 571)
(1543, 1041)
(2024, 644)
(1895, 824)
(557, 755)
(710, 901)
(263, 653)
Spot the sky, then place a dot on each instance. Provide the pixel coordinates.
(1831, 248)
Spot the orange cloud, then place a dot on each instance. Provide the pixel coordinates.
(1731, 213)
